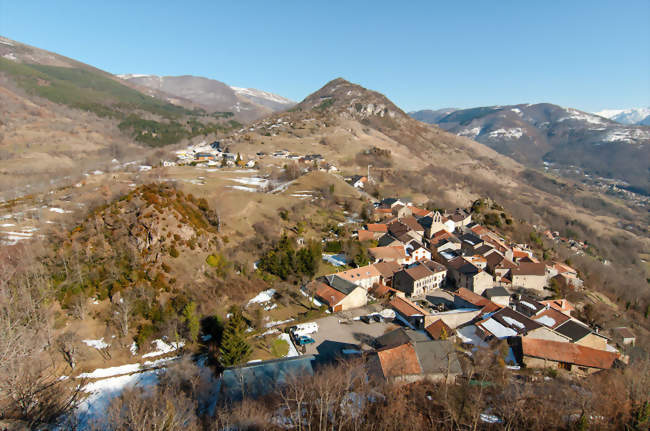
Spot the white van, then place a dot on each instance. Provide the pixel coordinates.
(304, 329)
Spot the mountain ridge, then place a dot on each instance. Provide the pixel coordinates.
(565, 137)
(629, 116)
(213, 95)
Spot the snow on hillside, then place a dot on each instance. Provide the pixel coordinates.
(574, 114)
(133, 75)
(252, 92)
(514, 133)
(626, 116)
(626, 135)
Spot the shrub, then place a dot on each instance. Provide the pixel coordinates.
(173, 252)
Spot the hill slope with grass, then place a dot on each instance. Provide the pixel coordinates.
(352, 128)
(61, 117)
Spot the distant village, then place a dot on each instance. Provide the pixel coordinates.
(439, 286)
(216, 154)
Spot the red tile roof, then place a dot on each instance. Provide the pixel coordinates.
(435, 330)
(365, 235)
(568, 352)
(563, 268)
(479, 230)
(556, 316)
(527, 268)
(390, 253)
(518, 254)
(441, 234)
(354, 275)
(412, 223)
(477, 300)
(388, 269)
(377, 227)
(329, 295)
(406, 307)
(399, 361)
(381, 289)
(419, 212)
(561, 305)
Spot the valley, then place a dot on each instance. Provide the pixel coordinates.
(211, 246)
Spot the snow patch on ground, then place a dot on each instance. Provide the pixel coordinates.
(514, 133)
(626, 135)
(574, 114)
(264, 296)
(111, 371)
(277, 323)
(163, 348)
(470, 133)
(269, 332)
(243, 188)
(251, 181)
(97, 344)
(314, 301)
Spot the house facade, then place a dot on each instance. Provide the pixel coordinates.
(529, 276)
(416, 281)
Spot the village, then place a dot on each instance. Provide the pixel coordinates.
(437, 288)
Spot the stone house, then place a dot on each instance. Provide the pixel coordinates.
(536, 353)
(529, 276)
(417, 280)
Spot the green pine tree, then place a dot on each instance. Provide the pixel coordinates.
(191, 318)
(234, 347)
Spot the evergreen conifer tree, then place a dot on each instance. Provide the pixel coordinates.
(234, 347)
(191, 318)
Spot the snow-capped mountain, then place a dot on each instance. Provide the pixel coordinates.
(246, 103)
(431, 116)
(533, 134)
(638, 116)
(264, 98)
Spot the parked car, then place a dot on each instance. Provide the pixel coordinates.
(303, 340)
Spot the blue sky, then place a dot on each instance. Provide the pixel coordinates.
(585, 54)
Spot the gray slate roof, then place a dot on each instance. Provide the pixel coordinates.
(342, 285)
(574, 330)
(436, 357)
(261, 378)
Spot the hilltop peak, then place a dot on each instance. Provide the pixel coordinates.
(349, 100)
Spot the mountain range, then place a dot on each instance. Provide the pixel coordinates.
(246, 103)
(58, 113)
(546, 134)
(632, 116)
(62, 118)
